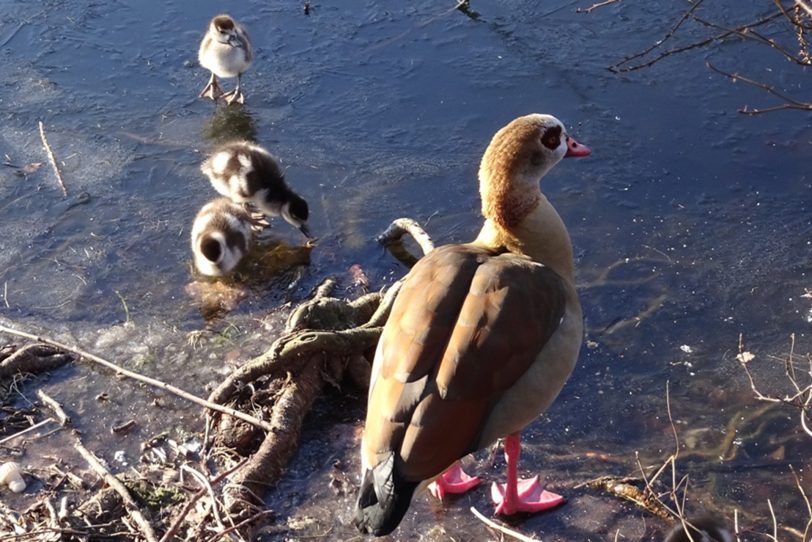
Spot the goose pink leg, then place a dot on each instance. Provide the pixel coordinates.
(520, 495)
(453, 480)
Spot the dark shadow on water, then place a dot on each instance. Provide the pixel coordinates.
(230, 123)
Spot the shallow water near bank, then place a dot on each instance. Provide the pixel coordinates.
(691, 226)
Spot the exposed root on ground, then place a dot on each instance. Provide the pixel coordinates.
(326, 341)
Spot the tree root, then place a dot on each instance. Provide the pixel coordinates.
(33, 358)
(326, 341)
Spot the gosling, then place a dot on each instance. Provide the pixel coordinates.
(226, 52)
(221, 235)
(247, 173)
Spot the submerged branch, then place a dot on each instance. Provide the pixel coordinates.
(52, 159)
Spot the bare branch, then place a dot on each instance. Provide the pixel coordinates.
(790, 103)
(52, 159)
(115, 483)
(401, 227)
(502, 528)
(49, 401)
(141, 378)
(596, 6)
(617, 68)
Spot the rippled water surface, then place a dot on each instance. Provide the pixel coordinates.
(691, 225)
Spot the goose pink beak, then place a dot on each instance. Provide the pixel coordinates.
(576, 149)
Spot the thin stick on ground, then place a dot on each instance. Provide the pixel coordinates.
(173, 529)
(52, 159)
(51, 403)
(502, 528)
(115, 483)
(808, 528)
(141, 378)
(26, 430)
(205, 484)
(775, 522)
(248, 521)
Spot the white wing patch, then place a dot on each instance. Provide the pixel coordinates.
(219, 162)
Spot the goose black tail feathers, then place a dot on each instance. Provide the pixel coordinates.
(383, 499)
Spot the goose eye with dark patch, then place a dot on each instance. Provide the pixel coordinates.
(552, 138)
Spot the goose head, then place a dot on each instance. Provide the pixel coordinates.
(519, 155)
(295, 213)
(223, 29)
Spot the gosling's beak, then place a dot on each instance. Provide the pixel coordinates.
(576, 149)
(306, 231)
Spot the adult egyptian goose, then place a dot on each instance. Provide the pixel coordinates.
(480, 340)
(226, 52)
(247, 173)
(221, 234)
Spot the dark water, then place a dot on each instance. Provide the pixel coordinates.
(381, 110)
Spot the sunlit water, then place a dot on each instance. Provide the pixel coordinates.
(379, 111)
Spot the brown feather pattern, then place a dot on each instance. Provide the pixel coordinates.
(466, 325)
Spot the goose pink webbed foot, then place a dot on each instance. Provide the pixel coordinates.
(212, 89)
(520, 495)
(454, 480)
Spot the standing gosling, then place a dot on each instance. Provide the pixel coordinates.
(220, 237)
(247, 173)
(226, 52)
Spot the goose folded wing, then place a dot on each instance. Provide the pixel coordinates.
(466, 325)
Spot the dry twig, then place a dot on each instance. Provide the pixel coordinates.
(141, 378)
(801, 399)
(173, 529)
(52, 159)
(115, 483)
(595, 6)
(620, 66)
(26, 430)
(789, 103)
(501, 528)
(51, 403)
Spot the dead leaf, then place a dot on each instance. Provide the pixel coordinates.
(31, 168)
(745, 357)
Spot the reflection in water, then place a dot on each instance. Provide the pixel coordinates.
(230, 123)
(270, 265)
